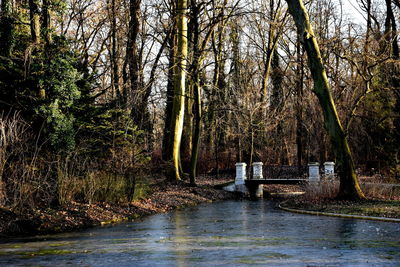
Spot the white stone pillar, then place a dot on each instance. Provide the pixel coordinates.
(257, 170)
(329, 169)
(240, 173)
(313, 172)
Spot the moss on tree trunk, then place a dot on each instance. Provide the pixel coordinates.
(349, 187)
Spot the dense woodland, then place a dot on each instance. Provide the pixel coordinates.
(95, 94)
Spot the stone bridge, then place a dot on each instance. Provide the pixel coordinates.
(277, 175)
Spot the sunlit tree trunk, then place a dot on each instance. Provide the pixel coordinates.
(349, 187)
(178, 109)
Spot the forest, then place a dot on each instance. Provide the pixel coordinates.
(96, 94)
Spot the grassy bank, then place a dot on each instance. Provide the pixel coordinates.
(383, 199)
(369, 207)
(160, 197)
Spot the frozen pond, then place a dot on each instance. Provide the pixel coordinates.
(231, 233)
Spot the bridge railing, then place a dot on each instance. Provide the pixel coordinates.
(284, 172)
(311, 172)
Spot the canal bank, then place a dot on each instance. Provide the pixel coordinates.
(369, 209)
(225, 233)
(160, 197)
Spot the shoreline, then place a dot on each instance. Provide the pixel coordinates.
(369, 209)
(164, 197)
(340, 215)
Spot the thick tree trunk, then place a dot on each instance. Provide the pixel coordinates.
(46, 22)
(178, 109)
(197, 128)
(34, 15)
(196, 92)
(391, 29)
(167, 144)
(392, 35)
(187, 132)
(134, 63)
(198, 52)
(349, 187)
(277, 106)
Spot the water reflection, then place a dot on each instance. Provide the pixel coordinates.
(232, 233)
(182, 248)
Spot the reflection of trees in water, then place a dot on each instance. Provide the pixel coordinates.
(181, 239)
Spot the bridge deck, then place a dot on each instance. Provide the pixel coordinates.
(275, 181)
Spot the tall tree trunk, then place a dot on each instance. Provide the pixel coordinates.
(114, 58)
(391, 29)
(197, 109)
(349, 187)
(34, 15)
(46, 22)
(391, 34)
(274, 34)
(187, 134)
(178, 108)
(218, 90)
(369, 26)
(237, 77)
(188, 124)
(6, 29)
(167, 144)
(198, 52)
(300, 131)
(134, 62)
(277, 106)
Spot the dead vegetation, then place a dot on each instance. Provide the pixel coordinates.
(163, 197)
(383, 198)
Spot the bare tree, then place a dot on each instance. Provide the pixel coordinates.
(349, 187)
